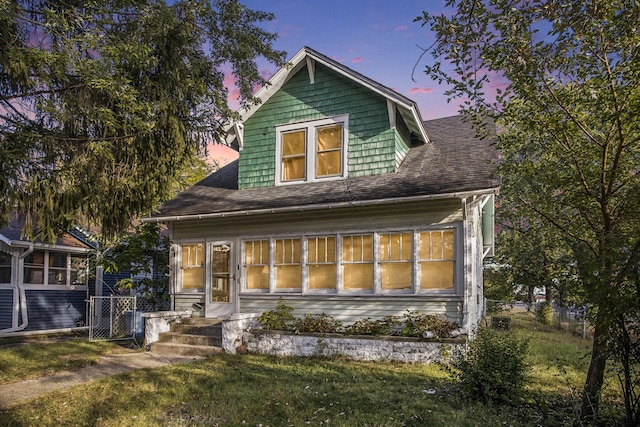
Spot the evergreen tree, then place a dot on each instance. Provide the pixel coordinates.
(104, 104)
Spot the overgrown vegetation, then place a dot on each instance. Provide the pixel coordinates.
(275, 391)
(411, 324)
(494, 369)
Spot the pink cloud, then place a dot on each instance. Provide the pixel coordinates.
(288, 30)
(423, 90)
(401, 28)
(357, 60)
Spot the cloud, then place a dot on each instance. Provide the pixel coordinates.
(357, 60)
(289, 30)
(400, 28)
(422, 90)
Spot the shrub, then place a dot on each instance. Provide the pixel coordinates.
(370, 327)
(281, 318)
(544, 313)
(320, 323)
(494, 368)
(416, 324)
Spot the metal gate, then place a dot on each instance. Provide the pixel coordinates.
(112, 318)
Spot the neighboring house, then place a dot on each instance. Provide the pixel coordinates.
(343, 201)
(43, 287)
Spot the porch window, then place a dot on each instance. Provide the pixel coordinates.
(357, 262)
(192, 266)
(437, 260)
(396, 261)
(311, 151)
(321, 262)
(55, 268)
(5, 267)
(256, 255)
(288, 264)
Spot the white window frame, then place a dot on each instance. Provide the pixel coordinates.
(310, 129)
(67, 271)
(377, 285)
(178, 263)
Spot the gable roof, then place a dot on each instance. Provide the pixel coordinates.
(455, 164)
(11, 235)
(407, 108)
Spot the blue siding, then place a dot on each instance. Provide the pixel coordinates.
(110, 280)
(56, 309)
(6, 308)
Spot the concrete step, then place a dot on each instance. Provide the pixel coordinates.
(191, 339)
(197, 329)
(184, 349)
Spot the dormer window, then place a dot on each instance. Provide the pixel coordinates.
(312, 151)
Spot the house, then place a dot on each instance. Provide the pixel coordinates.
(43, 287)
(342, 201)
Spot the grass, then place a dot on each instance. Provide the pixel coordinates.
(254, 390)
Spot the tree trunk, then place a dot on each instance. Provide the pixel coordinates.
(595, 374)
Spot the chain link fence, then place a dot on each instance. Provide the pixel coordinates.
(113, 318)
(571, 319)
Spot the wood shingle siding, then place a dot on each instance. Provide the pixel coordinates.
(371, 146)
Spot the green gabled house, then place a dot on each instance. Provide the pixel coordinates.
(343, 201)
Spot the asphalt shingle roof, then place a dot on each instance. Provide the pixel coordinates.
(455, 161)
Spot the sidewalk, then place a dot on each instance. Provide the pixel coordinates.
(12, 394)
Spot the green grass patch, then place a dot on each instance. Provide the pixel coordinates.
(255, 390)
(23, 359)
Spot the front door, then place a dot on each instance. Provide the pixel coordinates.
(220, 291)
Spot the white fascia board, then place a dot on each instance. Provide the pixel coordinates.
(301, 58)
(323, 206)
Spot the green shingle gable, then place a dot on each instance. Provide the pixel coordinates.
(373, 148)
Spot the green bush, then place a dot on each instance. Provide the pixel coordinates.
(370, 327)
(494, 368)
(281, 318)
(320, 323)
(544, 314)
(416, 324)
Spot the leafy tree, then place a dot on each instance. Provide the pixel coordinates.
(566, 76)
(144, 253)
(103, 104)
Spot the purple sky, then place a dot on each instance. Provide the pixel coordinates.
(376, 38)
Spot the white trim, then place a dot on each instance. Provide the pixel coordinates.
(391, 110)
(311, 135)
(311, 69)
(321, 206)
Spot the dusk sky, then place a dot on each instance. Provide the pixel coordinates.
(376, 38)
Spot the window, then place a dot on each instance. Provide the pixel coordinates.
(288, 264)
(369, 263)
(357, 262)
(321, 262)
(396, 261)
(55, 268)
(256, 264)
(5, 267)
(311, 151)
(437, 259)
(192, 266)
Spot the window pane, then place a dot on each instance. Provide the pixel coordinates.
(437, 275)
(293, 168)
(293, 143)
(78, 270)
(193, 278)
(447, 243)
(396, 247)
(396, 275)
(5, 268)
(288, 276)
(322, 276)
(34, 268)
(57, 259)
(321, 249)
(256, 252)
(357, 248)
(357, 276)
(329, 137)
(258, 277)
(329, 163)
(193, 266)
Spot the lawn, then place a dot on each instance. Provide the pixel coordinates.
(253, 390)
